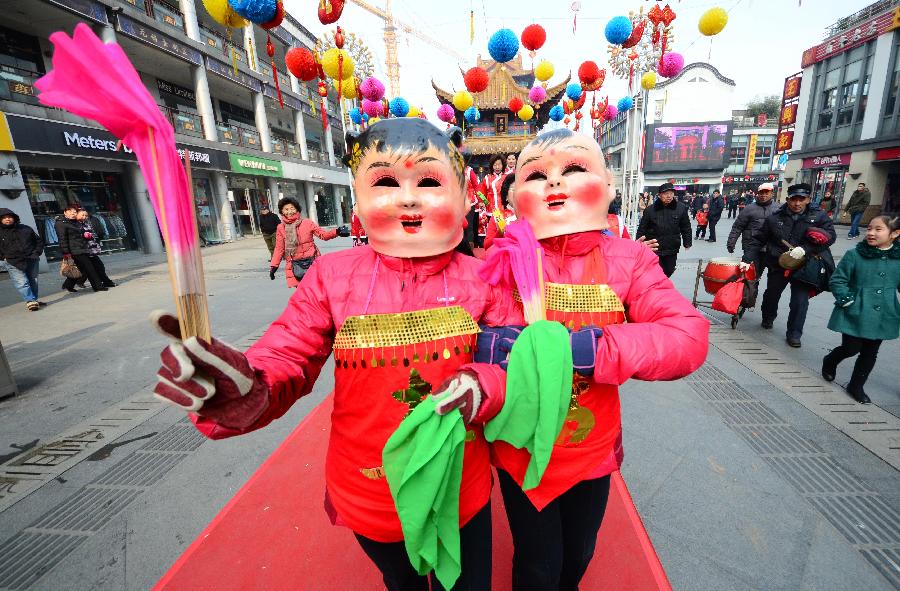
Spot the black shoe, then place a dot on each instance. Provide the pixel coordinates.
(102, 288)
(795, 343)
(710, 240)
(858, 394)
(767, 324)
(829, 368)
(69, 289)
(41, 304)
(110, 284)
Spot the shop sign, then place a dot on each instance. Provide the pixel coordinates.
(749, 178)
(751, 152)
(788, 115)
(92, 10)
(253, 165)
(825, 161)
(684, 180)
(785, 141)
(163, 42)
(20, 88)
(881, 154)
(791, 87)
(227, 71)
(852, 37)
(175, 90)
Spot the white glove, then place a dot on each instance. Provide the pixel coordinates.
(460, 391)
(744, 266)
(797, 252)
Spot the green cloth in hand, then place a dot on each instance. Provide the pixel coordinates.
(538, 392)
(423, 463)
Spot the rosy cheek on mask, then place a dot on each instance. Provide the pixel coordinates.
(444, 215)
(528, 202)
(591, 192)
(379, 220)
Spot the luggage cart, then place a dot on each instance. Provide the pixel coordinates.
(748, 301)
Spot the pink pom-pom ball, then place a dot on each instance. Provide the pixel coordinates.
(537, 94)
(670, 65)
(372, 108)
(372, 89)
(611, 112)
(446, 113)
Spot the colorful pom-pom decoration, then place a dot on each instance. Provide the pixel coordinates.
(713, 21)
(372, 108)
(446, 113)
(544, 71)
(399, 107)
(625, 104)
(476, 79)
(537, 94)
(372, 89)
(356, 115)
(301, 63)
(347, 88)
(557, 113)
(472, 114)
(334, 67)
(277, 19)
(573, 91)
(670, 65)
(255, 11)
(618, 30)
(222, 12)
(610, 112)
(533, 37)
(462, 100)
(526, 112)
(414, 111)
(588, 72)
(503, 46)
(515, 104)
(648, 80)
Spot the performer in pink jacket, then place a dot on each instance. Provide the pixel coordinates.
(400, 315)
(627, 321)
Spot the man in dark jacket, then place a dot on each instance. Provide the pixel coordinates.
(668, 222)
(268, 225)
(801, 230)
(751, 220)
(20, 252)
(697, 204)
(856, 207)
(716, 207)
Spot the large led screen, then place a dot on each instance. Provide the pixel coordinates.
(687, 146)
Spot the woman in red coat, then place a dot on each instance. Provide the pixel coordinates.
(294, 240)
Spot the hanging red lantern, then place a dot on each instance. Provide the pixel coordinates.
(330, 11)
(476, 79)
(301, 63)
(533, 37)
(270, 51)
(567, 120)
(515, 104)
(339, 38)
(276, 20)
(323, 89)
(668, 15)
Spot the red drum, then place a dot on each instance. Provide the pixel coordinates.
(719, 271)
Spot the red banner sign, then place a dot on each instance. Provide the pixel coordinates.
(852, 37)
(785, 141)
(788, 115)
(791, 87)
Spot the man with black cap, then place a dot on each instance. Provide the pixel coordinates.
(800, 230)
(667, 221)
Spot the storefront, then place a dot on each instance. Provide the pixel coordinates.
(738, 184)
(825, 174)
(64, 164)
(705, 182)
(887, 161)
(247, 189)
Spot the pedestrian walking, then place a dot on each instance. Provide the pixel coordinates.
(856, 207)
(20, 252)
(268, 225)
(866, 311)
(357, 231)
(716, 207)
(828, 204)
(733, 201)
(295, 243)
(644, 202)
(751, 220)
(800, 230)
(77, 244)
(697, 204)
(667, 221)
(702, 222)
(615, 207)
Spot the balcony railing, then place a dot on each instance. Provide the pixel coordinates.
(183, 122)
(285, 147)
(217, 41)
(166, 14)
(237, 135)
(17, 85)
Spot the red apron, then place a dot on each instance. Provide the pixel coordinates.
(385, 364)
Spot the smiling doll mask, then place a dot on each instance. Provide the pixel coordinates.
(409, 184)
(562, 185)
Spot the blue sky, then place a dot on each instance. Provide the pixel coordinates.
(760, 46)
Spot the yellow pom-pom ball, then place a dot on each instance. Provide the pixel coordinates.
(373, 120)
(544, 71)
(713, 21)
(462, 100)
(414, 111)
(332, 65)
(526, 113)
(648, 80)
(222, 12)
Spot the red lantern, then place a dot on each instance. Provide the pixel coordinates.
(516, 104)
(533, 37)
(567, 120)
(588, 72)
(301, 63)
(276, 20)
(668, 15)
(636, 34)
(476, 79)
(323, 89)
(270, 49)
(330, 11)
(339, 38)
(655, 15)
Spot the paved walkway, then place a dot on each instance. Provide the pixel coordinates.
(739, 485)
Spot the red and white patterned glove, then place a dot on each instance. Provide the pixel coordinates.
(213, 379)
(462, 391)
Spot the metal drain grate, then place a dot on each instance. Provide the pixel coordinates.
(88, 511)
(715, 391)
(139, 469)
(752, 412)
(771, 440)
(816, 474)
(887, 561)
(184, 438)
(862, 519)
(28, 556)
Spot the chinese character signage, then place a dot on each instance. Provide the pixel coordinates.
(791, 87)
(788, 115)
(751, 152)
(227, 71)
(785, 141)
(163, 42)
(852, 37)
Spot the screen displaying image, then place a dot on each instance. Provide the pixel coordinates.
(687, 146)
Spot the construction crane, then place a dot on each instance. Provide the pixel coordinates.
(392, 64)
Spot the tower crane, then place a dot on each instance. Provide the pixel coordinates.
(392, 64)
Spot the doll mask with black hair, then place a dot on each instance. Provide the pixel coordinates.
(409, 185)
(562, 185)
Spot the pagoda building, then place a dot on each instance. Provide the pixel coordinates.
(500, 131)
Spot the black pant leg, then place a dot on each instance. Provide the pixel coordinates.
(393, 562)
(537, 539)
(712, 229)
(868, 354)
(798, 307)
(101, 269)
(774, 287)
(668, 263)
(582, 508)
(86, 266)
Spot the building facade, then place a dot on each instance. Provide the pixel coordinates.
(752, 159)
(846, 123)
(245, 150)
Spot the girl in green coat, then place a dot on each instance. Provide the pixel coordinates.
(866, 310)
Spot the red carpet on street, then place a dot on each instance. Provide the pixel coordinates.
(274, 534)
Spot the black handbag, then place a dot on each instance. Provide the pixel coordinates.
(816, 273)
(299, 267)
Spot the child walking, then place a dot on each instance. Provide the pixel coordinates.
(702, 222)
(866, 309)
